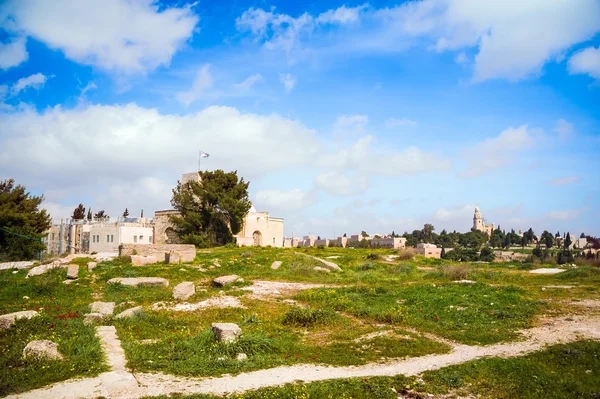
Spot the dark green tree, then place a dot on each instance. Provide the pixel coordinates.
(497, 238)
(547, 239)
(487, 255)
(443, 253)
(100, 215)
(568, 241)
(427, 232)
(211, 211)
(89, 214)
(126, 213)
(22, 223)
(506, 242)
(78, 213)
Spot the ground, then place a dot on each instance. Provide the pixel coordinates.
(383, 326)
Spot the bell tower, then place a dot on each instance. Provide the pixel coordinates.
(477, 220)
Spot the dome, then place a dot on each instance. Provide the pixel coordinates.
(252, 209)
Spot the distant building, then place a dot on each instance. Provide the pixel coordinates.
(428, 250)
(478, 223)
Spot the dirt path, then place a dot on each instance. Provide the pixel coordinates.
(122, 384)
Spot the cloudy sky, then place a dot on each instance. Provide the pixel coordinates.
(350, 116)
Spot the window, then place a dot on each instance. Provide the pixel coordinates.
(107, 238)
(273, 240)
(150, 239)
(112, 238)
(134, 238)
(141, 238)
(93, 238)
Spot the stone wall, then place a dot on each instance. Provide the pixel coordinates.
(170, 253)
(164, 229)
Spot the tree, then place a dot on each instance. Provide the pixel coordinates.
(487, 255)
(318, 237)
(22, 223)
(443, 253)
(547, 239)
(100, 215)
(568, 241)
(506, 242)
(427, 232)
(211, 211)
(364, 234)
(89, 214)
(557, 234)
(78, 213)
(582, 235)
(126, 213)
(497, 238)
(345, 235)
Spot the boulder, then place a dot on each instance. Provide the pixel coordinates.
(39, 270)
(15, 265)
(184, 290)
(222, 281)
(226, 332)
(91, 266)
(90, 318)
(140, 260)
(241, 357)
(276, 265)
(42, 350)
(330, 265)
(139, 281)
(7, 320)
(321, 269)
(129, 312)
(72, 272)
(104, 308)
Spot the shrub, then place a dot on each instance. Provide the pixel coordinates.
(372, 256)
(298, 316)
(368, 266)
(454, 272)
(405, 254)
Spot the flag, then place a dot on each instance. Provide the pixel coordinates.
(203, 154)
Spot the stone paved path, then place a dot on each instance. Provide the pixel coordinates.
(122, 384)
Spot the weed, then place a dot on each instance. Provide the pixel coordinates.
(298, 316)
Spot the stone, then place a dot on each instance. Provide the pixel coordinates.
(222, 281)
(464, 282)
(241, 357)
(104, 308)
(321, 269)
(42, 349)
(139, 281)
(26, 297)
(72, 272)
(90, 318)
(185, 252)
(184, 290)
(91, 266)
(15, 272)
(39, 270)
(7, 320)
(15, 265)
(276, 265)
(141, 260)
(226, 332)
(546, 271)
(330, 265)
(129, 312)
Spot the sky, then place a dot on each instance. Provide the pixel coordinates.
(344, 116)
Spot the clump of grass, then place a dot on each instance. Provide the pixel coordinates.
(250, 319)
(372, 256)
(301, 317)
(455, 272)
(405, 254)
(368, 266)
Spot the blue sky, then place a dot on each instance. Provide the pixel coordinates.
(374, 116)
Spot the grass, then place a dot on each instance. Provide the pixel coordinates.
(561, 371)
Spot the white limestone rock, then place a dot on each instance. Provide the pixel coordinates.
(226, 332)
(129, 312)
(241, 357)
(91, 266)
(42, 350)
(222, 281)
(7, 320)
(139, 281)
(184, 290)
(15, 265)
(91, 318)
(72, 272)
(547, 271)
(330, 265)
(104, 308)
(321, 269)
(140, 260)
(276, 265)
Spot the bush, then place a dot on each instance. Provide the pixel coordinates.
(372, 256)
(405, 254)
(454, 272)
(368, 266)
(298, 316)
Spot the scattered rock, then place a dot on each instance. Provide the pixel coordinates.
(15, 265)
(211, 267)
(91, 266)
(199, 268)
(26, 297)
(276, 265)
(246, 254)
(139, 281)
(226, 332)
(226, 280)
(148, 341)
(182, 270)
(184, 290)
(564, 287)
(333, 257)
(141, 260)
(214, 302)
(91, 318)
(129, 312)
(15, 272)
(7, 320)
(546, 271)
(39, 270)
(321, 269)
(42, 349)
(464, 281)
(329, 265)
(104, 308)
(72, 272)
(241, 357)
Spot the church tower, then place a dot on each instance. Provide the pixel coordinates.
(478, 221)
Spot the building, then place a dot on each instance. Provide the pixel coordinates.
(428, 250)
(259, 229)
(478, 223)
(107, 237)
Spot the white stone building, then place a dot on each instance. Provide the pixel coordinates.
(479, 224)
(106, 237)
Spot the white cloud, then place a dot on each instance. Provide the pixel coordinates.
(496, 152)
(570, 214)
(288, 81)
(394, 122)
(285, 201)
(564, 129)
(349, 120)
(461, 58)
(13, 53)
(562, 181)
(341, 15)
(339, 183)
(35, 81)
(364, 159)
(202, 82)
(128, 36)
(250, 81)
(109, 154)
(586, 61)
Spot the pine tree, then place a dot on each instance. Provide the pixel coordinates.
(78, 213)
(126, 213)
(89, 215)
(568, 241)
(100, 215)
